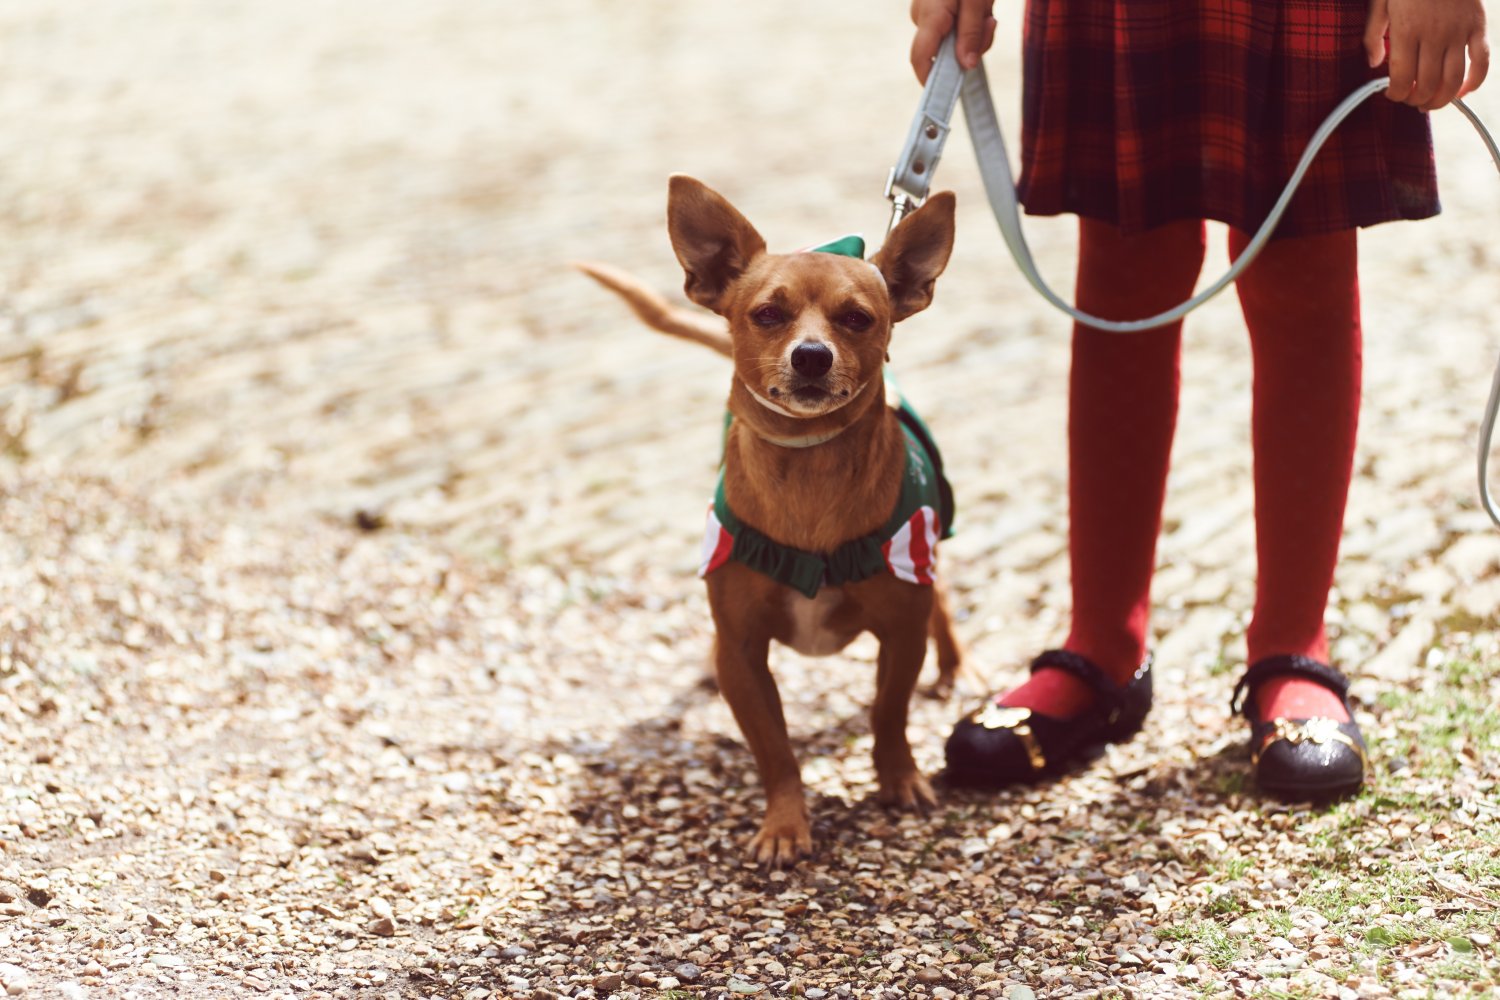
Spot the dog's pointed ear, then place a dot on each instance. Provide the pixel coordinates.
(712, 240)
(915, 254)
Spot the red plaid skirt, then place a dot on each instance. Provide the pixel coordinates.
(1139, 112)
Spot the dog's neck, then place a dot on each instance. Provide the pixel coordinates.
(803, 440)
(814, 498)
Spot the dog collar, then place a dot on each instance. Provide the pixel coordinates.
(807, 440)
(763, 401)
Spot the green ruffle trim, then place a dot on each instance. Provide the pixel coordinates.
(807, 572)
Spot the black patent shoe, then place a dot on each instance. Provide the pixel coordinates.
(1298, 760)
(999, 745)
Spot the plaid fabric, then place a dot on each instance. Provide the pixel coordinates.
(1139, 112)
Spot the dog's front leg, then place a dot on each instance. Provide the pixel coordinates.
(745, 681)
(902, 650)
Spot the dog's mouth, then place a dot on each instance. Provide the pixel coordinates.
(811, 395)
(807, 398)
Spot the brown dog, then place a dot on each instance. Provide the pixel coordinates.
(815, 463)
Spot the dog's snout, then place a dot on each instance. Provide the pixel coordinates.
(811, 359)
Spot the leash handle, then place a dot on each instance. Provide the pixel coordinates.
(911, 179)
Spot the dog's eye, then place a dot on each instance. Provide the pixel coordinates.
(768, 316)
(856, 320)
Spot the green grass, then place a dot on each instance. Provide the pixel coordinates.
(1223, 666)
(1215, 943)
(1385, 894)
(1225, 904)
(1454, 715)
(1236, 868)
(1279, 922)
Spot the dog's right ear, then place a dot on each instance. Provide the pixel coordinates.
(915, 253)
(712, 240)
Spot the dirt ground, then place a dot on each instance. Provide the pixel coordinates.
(349, 639)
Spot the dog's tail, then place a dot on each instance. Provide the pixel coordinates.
(656, 312)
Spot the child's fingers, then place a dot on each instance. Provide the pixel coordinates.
(989, 33)
(1403, 68)
(973, 16)
(1452, 79)
(1375, 33)
(1479, 62)
(934, 19)
(1429, 75)
(924, 47)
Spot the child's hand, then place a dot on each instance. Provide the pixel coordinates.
(934, 20)
(1428, 39)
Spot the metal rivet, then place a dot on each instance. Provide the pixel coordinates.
(919, 167)
(932, 132)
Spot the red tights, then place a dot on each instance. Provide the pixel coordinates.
(1301, 304)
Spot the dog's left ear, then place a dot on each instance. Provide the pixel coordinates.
(712, 240)
(915, 254)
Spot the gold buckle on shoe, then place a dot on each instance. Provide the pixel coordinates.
(1014, 718)
(1317, 730)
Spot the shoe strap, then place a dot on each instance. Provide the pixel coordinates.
(1243, 699)
(1109, 693)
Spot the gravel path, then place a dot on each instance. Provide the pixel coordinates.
(348, 639)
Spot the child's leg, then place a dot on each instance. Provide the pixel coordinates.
(1122, 412)
(1301, 303)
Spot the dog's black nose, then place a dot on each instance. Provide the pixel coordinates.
(812, 359)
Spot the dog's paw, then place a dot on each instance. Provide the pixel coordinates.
(960, 679)
(907, 790)
(940, 689)
(780, 842)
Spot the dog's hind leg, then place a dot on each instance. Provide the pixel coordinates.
(950, 655)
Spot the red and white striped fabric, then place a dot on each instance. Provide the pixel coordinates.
(911, 553)
(717, 543)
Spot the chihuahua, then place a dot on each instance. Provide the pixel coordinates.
(830, 501)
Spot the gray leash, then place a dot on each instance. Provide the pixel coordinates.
(911, 178)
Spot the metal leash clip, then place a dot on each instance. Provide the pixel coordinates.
(907, 184)
(902, 204)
